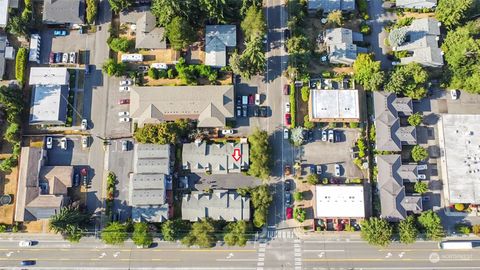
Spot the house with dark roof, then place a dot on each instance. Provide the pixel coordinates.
(388, 110)
(218, 38)
(395, 204)
(144, 25)
(218, 205)
(341, 47)
(42, 189)
(416, 4)
(63, 11)
(421, 42)
(200, 157)
(331, 5)
(151, 178)
(209, 105)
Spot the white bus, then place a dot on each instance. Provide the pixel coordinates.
(455, 245)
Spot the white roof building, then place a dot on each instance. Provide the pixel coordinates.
(334, 106)
(3, 13)
(336, 201)
(49, 105)
(460, 157)
(48, 76)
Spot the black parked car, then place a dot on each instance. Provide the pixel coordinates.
(256, 111)
(263, 111)
(288, 185)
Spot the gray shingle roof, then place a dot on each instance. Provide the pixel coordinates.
(217, 39)
(394, 202)
(147, 189)
(341, 49)
(148, 36)
(423, 43)
(199, 157)
(330, 5)
(220, 205)
(211, 105)
(63, 11)
(390, 136)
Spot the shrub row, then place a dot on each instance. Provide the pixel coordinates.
(20, 65)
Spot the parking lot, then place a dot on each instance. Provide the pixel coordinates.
(115, 128)
(72, 42)
(74, 155)
(327, 154)
(120, 162)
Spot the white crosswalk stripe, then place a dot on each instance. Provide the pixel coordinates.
(280, 234)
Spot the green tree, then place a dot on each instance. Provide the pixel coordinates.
(119, 5)
(299, 214)
(253, 24)
(18, 26)
(215, 10)
(431, 225)
(91, 12)
(141, 235)
(69, 223)
(421, 187)
(305, 93)
(180, 33)
(12, 134)
(307, 124)
(335, 17)
(236, 234)
(259, 154)
(368, 72)
(170, 230)
(407, 230)
(113, 68)
(408, 80)
(253, 58)
(376, 231)
(312, 179)
(21, 65)
(201, 234)
(153, 73)
(236, 63)
(261, 200)
(121, 44)
(114, 233)
(419, 153)
(246, 4)
(298, 196)
(463, 228)
(163, 133)
(415, 119)
(452, 12)
(461, 48)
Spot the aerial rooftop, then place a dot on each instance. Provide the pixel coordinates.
(460, 144)
(334, 201)
(334, 105)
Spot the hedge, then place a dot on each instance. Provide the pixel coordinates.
(20, 65)
(293, 105)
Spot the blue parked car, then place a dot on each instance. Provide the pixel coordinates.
(59, 32)
(58, 57)
(26, 263)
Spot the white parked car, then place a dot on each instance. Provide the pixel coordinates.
(63, 143)
(324, 135)
(421, 176)
(337, 170)
(84, 141)
(125, 82)
(286, 134)
(123, 114)
(65, 58)
(125, 145)
(287, 107)
(84, 125)
(227, 131)
(454, 94)
(49, 142)
(25, 243)
(257, 99)
(124, 89)
(124, 119)
(159, 65)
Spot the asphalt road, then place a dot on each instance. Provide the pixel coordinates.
(54, 253)
(277, 60)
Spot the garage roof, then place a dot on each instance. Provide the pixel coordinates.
(334, 105)
(335, 201)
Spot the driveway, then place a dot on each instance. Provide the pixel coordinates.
(378, 18)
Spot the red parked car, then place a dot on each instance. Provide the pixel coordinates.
(289, 213)
(124, 101)
(286, 89)
(250, 99)
(288, 119)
